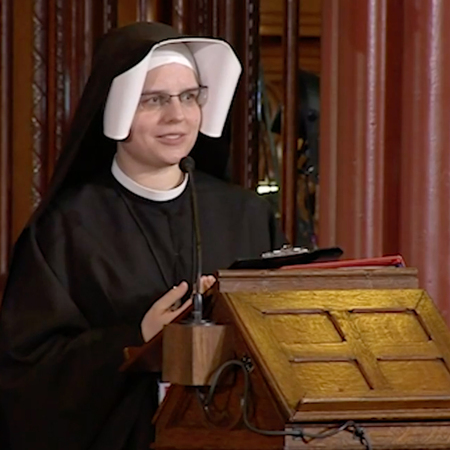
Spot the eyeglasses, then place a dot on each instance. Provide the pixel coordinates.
(190, 97)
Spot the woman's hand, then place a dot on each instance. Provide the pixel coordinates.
(167, 308)
(164, 310)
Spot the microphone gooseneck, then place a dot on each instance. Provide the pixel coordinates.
(187, 165)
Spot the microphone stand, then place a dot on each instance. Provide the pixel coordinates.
(187, 165)
(194, 349)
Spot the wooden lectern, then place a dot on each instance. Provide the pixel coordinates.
(321, 347)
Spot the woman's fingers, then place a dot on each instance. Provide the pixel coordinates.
(169, 306)
(206, 282)
(173, 296)
(161, 313)
(169, 316)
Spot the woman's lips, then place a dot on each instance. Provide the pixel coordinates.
(172, 138)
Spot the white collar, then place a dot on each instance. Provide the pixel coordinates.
(146, 192)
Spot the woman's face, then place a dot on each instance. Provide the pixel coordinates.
(164, 133)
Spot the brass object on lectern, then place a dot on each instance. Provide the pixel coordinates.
(192, 352)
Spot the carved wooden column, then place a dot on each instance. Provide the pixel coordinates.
(192, 16)
(225, 14)
(360, 126)
(130, 11)
(6, 15)
(245, 134)
(238, 22)
(20, 121)
(63, 40)
(180, 15)
(425, 181)
(52, 42)
(157, 11)
(290, 121)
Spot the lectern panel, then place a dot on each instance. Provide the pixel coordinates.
(395, 327)
(330, 377)
(341, 351)
(316, 359)
(297, 327)
(417, 375)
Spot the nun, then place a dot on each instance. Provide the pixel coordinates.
(105, 260)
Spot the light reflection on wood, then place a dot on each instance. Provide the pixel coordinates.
(386, 349)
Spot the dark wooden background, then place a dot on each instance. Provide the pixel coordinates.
(385, 109)
(46, 49)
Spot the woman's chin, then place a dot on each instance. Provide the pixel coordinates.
(174, 158)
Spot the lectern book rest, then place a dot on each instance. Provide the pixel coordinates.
(366, 351)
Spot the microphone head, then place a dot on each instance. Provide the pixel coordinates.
(187, 164)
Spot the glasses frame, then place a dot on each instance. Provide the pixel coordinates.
(200, 100)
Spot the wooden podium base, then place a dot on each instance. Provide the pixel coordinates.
(193, 352)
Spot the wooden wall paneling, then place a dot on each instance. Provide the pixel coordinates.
(197, 17)
(77, 38)
(53, 41)
(329, 124)
(180, 15)
(39, 83)
(226, 14)
(6, 15)
(360, 131)
(130, 11)
(238, 22)
(385, 165)
(70, 37)
(214, 18)
(204, 14)
(272, 60)
(55, 83)
(143, 10)
(191, 16)
(22, 113)
(63, 44)
(305, 36)
(425, 186)
(289, 120)
(393, 136)
(104, 16)
(310, 18)
(245, 129)
(159, 11)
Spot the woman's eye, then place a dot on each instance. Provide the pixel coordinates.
(154, 99)
(188, 96)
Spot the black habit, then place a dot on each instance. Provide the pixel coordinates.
(85, 270)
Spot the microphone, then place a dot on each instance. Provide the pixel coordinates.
(187, 165)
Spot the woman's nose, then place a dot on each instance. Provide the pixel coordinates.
(173, 110)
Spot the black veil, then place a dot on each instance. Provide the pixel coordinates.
(87, 150)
